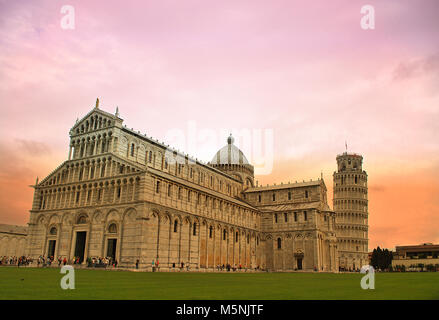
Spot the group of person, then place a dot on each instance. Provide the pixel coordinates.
(92, 262)
(229, 267)
(342, 269)
(44, 261)
(13, 260)
(100, 262)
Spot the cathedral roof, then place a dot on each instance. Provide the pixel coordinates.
(96, 110)
(286, 186)
(9, 228)
(229, 154)
(319, 205)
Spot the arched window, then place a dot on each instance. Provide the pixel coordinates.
(224, 234)
(275, 217)
(169, 190)
(306, 193)
(103, 170)
(210, 231)
(286, 217)
(279, 243)
(132, 149)
(289, 195)
(175, 225)
(259, 198)
(150, 157)
(274, 197)
(53, 231)
(236, 236)
(157, 187)
(195, 229)
(112, 228)
(82, 220)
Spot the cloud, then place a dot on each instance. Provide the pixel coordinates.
(417, 67)
(377, 188)
(34, 148)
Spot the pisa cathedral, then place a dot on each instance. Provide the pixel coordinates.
(120, 195)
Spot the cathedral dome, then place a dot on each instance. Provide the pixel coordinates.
(229, 154)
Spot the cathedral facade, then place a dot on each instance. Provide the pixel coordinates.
(126, 196)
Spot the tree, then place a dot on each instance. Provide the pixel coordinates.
(381, 259)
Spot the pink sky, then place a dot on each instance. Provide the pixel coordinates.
(307, 71)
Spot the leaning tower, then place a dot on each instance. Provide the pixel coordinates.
(350, 205)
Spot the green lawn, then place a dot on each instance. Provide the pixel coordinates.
(33, 283)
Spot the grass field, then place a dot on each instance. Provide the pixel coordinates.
(33, 283)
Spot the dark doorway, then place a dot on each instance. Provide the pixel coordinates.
(80, 245)
(299, 263)
(51, 250)
(111, 248)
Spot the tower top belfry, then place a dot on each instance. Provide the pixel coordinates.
(349, 162)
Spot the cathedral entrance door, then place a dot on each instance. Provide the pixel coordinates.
(80, 245)
(51, 249)
(111, 248)
(299, 263)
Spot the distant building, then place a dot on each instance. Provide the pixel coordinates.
(426, 253)
(12, 240)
